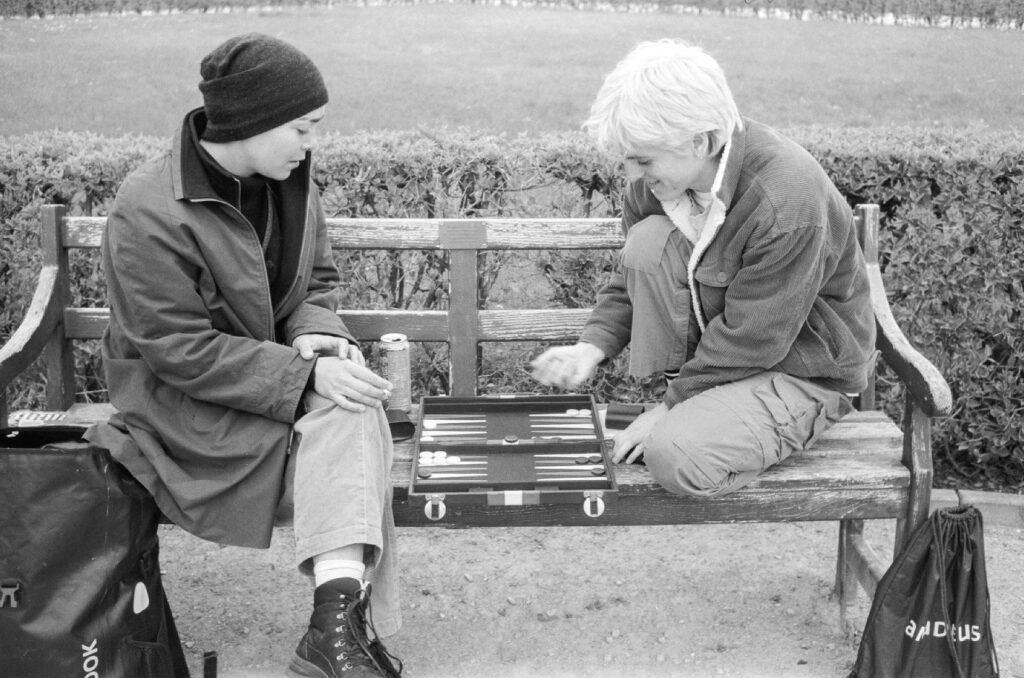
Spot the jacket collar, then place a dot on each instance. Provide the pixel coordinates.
(728, 176)
(197, 176)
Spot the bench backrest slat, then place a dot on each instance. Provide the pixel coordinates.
(424, 234)
(463, 328)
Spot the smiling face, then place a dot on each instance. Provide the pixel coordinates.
(670, 172)
(278, 151)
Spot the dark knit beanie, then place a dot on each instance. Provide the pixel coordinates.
(253, 83)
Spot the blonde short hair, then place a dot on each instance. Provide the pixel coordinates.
(662, 94)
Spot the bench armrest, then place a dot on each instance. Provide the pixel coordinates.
(924, 383)
(36, 328)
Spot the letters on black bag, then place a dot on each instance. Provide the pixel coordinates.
(930, 617)
(80, 586)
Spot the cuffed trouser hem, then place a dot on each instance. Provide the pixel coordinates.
(328, 541)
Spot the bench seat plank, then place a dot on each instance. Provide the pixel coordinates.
(852, 472)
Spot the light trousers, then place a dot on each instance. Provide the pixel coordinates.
(722, 439)
(339, 480)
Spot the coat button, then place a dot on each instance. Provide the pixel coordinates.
(722, 277)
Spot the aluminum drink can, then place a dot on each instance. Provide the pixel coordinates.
(394, 355)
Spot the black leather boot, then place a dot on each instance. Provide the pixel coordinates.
(337, 644)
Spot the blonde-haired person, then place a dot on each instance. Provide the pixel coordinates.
(741, 279)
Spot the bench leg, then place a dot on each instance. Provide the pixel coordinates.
(846, 581)
(858, 564)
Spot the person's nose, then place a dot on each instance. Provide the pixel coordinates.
(310, 142)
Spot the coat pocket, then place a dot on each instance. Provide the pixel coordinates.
(713, 279)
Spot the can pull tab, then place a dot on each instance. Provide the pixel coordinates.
(10, 593)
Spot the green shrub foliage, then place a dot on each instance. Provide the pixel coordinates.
(952, 243)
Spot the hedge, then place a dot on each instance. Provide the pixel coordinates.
(952, 243)
(958, 13)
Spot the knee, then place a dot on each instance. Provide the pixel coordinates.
(686, 464)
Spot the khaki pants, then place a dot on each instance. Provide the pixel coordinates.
(720, 440)
(339, 478)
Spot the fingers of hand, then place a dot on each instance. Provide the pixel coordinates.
(628, 447)
(354, 354)
(555, 368)
(346, 403)
(304, 347)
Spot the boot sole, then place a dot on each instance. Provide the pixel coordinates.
(300, 668)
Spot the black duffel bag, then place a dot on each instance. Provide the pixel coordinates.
(80, 587)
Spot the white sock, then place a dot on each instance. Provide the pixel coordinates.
(329, 569)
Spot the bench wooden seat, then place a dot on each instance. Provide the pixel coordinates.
(866, 467)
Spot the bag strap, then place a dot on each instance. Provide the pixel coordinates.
(940, 533)
(988, 599)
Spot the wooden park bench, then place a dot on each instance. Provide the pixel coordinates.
(864, 468)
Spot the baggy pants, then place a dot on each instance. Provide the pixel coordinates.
(339, 474)
(719, 440)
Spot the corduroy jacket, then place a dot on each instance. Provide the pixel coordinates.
(777, 280)
(198, 357)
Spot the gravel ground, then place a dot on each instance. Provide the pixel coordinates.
(708, 600)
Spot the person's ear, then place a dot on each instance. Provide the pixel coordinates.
(701, 145)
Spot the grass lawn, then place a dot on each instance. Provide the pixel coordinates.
(505, 69)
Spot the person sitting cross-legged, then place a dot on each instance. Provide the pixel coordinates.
(741, 280)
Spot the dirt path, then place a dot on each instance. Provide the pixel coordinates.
(726, 600)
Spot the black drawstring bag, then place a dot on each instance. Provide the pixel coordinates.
(930, 614)
(80, 586)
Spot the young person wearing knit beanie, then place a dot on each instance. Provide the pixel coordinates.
(241, 395)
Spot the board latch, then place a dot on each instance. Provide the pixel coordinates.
(593, 504)
(434, 508)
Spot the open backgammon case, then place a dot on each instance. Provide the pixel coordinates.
(510, 451)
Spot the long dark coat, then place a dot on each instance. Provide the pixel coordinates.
(197, 357)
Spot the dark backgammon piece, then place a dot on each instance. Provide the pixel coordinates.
(583, 460)
(511, 439)
(594, 459)
(424, 473)
(597, 471)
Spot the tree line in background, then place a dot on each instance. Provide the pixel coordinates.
(951, 247)
(1008, 14)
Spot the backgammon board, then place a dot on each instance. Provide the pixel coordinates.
(510, 451)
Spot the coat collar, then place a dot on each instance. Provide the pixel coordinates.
(728, 176)
(197, 176)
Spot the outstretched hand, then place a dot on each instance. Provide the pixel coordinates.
(567, 366)
(629, 444)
